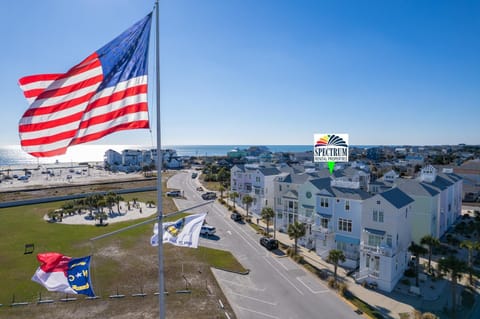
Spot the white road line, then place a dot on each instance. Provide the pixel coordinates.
(229, 232)
(255, 299)
(241, 285)
(283, 276)
(312, 291)
(257, 312)
(278, 262)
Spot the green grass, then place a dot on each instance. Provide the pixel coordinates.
(25, 225)
(363, 306)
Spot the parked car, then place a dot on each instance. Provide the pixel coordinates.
(209, 195)
(207, 230)
(194, 175)
(269, 243)
(174, 193)
(236, 217)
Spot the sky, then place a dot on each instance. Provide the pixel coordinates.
(270, 72)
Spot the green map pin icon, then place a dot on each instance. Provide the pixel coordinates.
(331, 166)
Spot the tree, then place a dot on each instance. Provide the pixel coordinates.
(417, 250)
(455, 267)
(295, 231)
(221, 189)
(471, 246)
(150, 203)
(335, 256)
(233, 197)
(267, 214)
(118, 199)
(431, 242)
(101, 216)
(247, 200)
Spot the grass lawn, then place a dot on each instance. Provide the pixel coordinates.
(124, 262)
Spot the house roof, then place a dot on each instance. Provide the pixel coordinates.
(323, 185)
(396, 197)
(268, 171)
(416, 188)
(291, 194)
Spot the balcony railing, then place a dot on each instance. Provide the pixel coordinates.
(378, 250)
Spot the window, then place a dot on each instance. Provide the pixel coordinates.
(380, 217)
(279, 201)
(389, 241)
(308, 195)
(347, 205)
(374, 240)
(345, 225)
(323, 202)
(257, 179)
(341, 246)
(324, 222)
(308, 212)
(378, 202)
(280, 188)
(375, 215)
(367, 261)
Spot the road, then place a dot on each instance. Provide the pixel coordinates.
(276, 286)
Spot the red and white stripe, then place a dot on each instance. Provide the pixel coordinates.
(52, 272)
(67, 109)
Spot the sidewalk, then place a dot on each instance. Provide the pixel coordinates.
(390, 307)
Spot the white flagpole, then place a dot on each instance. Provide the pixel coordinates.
(161, 282)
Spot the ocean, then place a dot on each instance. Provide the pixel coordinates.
(14, 156)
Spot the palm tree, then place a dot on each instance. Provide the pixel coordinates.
(247, 200)
(335, 256)
(101, 216)
(471, 246)
(417, 250)
(221, 189)
(267, 214)
(295, 231)
(431, 242)
(233, 197)
(455, 267)
(118, 199)
(150, 203)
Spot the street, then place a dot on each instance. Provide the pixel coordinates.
(276, 286)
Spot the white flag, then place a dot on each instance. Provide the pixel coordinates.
(182, 232)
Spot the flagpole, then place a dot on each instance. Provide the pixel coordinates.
(161, 283)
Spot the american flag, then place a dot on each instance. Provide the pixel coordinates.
(105, 93)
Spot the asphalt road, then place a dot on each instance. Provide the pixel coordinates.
(276, 287)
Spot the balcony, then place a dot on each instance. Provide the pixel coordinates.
(376, 250)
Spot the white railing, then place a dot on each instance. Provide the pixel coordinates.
(379, 250)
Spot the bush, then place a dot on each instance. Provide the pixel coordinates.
(428, 315)
(342, 288)
(331, 282)
(405, 281)
(409, 272)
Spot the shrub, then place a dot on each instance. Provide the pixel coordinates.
(405, 281)
(331, 282)
(409, 272)
(342, 288)
(428, 315)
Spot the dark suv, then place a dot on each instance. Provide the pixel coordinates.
(236, 217)
(269, 243)
(209, 195)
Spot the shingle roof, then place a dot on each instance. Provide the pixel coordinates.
(416, 188)
(269, 171)
(323, 185)
(396, 197)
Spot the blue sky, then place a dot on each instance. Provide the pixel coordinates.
(255, 72)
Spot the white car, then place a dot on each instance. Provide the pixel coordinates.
(207, 230)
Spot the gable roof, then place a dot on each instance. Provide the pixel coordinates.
(268, 171)
(396, 197)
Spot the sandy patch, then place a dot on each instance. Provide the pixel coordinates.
(141, 210)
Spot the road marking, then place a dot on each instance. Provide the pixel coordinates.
(242, 285)
(257, 312)
(311, 290)
(255, 299)
(229, 232)
(283, 276)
